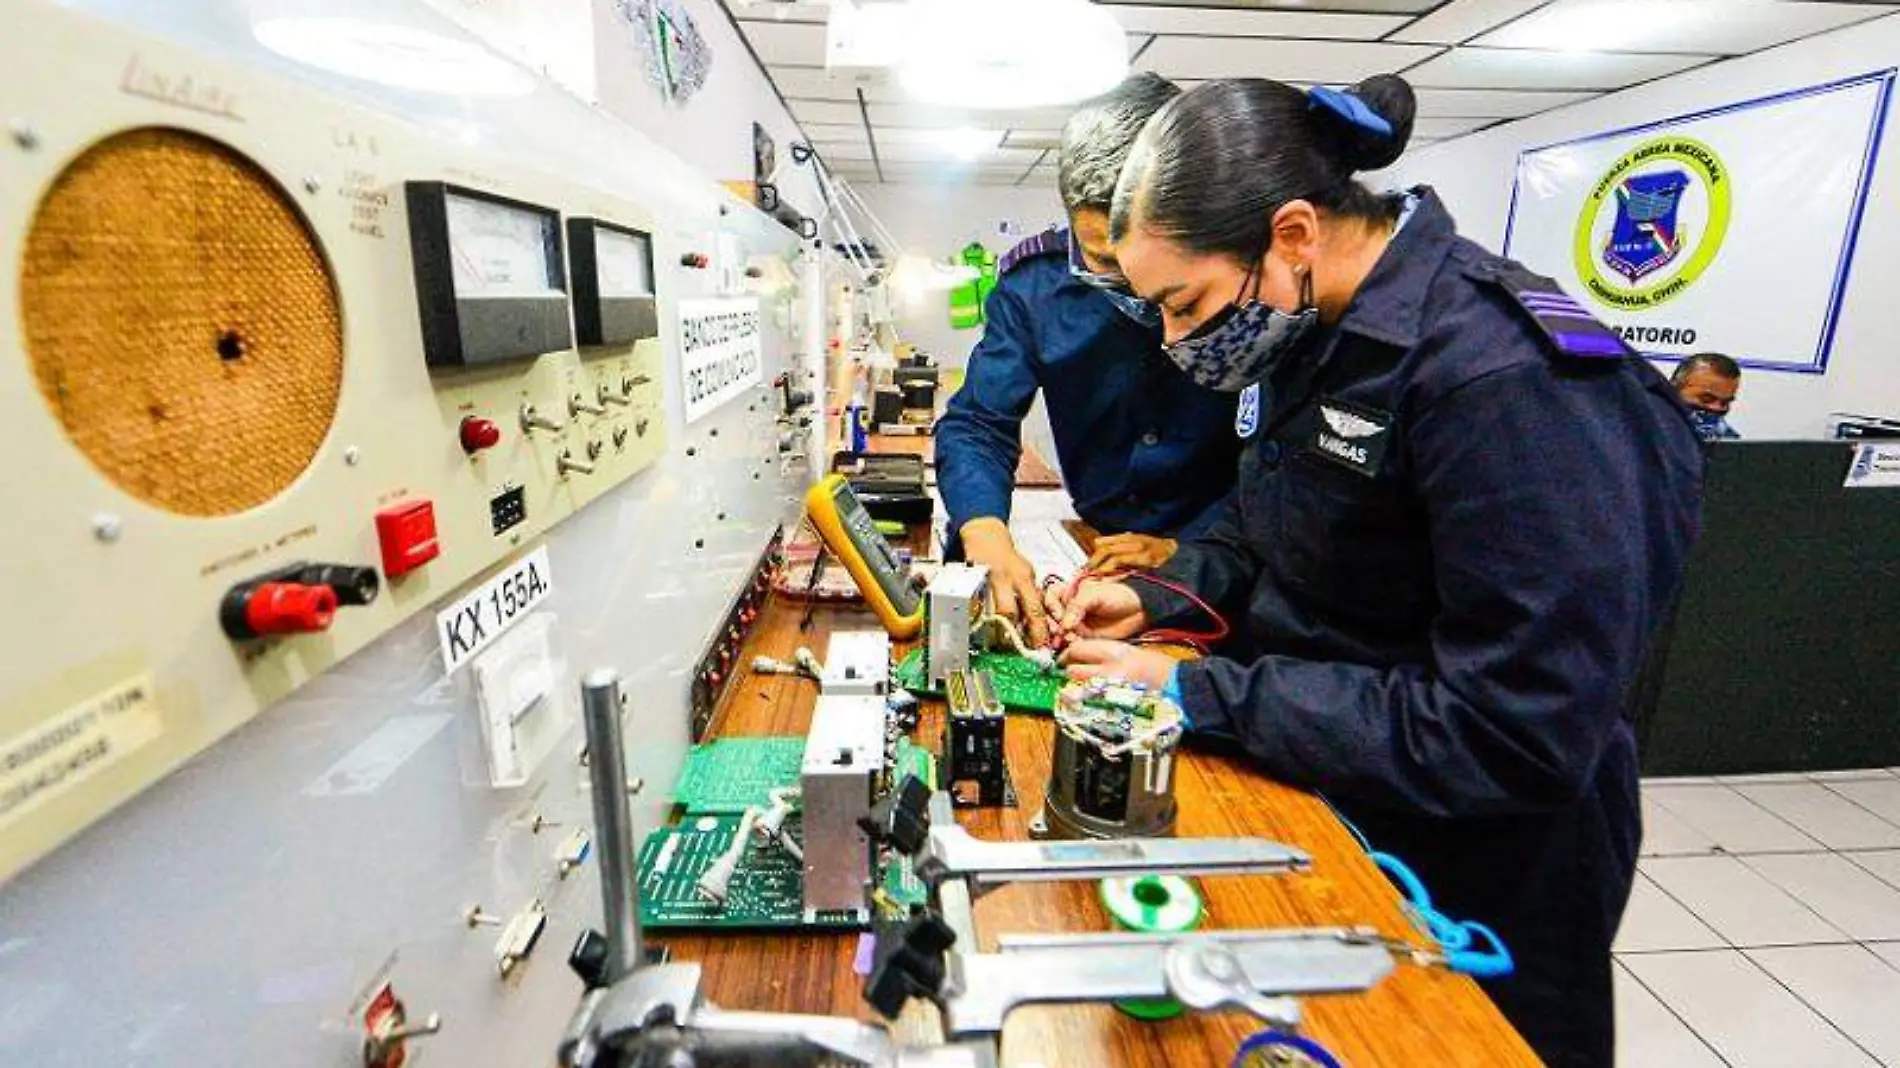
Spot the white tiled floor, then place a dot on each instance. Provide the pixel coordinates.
(1764, 927)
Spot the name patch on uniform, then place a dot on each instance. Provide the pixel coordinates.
(1351, 436)
(1247, 416)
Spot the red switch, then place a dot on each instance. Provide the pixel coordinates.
(289, 608)
(407, 533)
(479, 434)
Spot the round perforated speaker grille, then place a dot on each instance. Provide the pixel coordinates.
(181, 322)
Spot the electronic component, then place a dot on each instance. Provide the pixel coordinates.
(614, 302)
(843, 765)
(716, 664)
(477, 434)
(1112, 775)
(729, 775)
(406, 533)
(508, 509)
(851, 535)
(717, 877)
(858, 663)
(1022, 684)
(301, 598)
(975, 773)
(490, 284)
(892, 488)
(954, 603)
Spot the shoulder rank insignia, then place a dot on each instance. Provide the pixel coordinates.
(1047, 243)
(1569, 326)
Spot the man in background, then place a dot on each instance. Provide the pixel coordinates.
(1146, 454)
(1708, 383)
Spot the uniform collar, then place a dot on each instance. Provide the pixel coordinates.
(1390, 304)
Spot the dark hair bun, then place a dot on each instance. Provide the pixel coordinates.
(1389, 97)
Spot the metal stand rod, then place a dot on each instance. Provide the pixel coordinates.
(613, 822)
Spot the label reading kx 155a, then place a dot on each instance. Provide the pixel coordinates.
(470, 624)
(71, 747)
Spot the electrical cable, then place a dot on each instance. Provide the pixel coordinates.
(1469, 947)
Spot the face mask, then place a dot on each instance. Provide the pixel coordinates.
(1244, 342)
(1112, 287)
(1710, 426)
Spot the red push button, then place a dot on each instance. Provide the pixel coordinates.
(479, 434)
(289, 608)
(407, 534)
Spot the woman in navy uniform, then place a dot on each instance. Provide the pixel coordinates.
(1463, 510)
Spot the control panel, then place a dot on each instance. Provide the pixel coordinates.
(722, 656)
(287, 371)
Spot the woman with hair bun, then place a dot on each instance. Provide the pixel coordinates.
(1463, 509)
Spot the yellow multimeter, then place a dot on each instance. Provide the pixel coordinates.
(851, 535)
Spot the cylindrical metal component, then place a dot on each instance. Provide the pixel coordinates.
(1095, 796)
(613, 822)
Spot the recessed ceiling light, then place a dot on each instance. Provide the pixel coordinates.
(1611, 25)
(1012, 53)
(394, 55)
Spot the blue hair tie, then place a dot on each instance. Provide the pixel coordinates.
(1350, 108)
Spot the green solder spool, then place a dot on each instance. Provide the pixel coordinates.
(1153, 904)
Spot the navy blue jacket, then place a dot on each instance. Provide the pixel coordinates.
(1142, 448)
(1457, 529)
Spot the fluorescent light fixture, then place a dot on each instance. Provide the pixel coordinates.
(966, 143)
(394, 55)
(1607, 25)
(1011, 53)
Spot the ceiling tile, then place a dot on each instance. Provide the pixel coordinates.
(816, 83)
(834, 111)
(937, 117)
(1461, 20)
(779, 10)
(1020, 138)
(1492, 103)
(1732, 27)
(1377, 7)
(1252, 57)
(1426, 126)
(1511, 68)
(800, 43)
(834, 131)
(1205, 23)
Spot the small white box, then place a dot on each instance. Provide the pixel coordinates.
(857, 663)
(953, 603)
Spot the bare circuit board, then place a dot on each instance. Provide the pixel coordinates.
(768, 888)
(1020, 683)
(726, 776)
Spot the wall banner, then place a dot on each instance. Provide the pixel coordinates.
(1728, 230)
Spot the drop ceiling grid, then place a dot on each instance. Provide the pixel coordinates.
(1474, 63)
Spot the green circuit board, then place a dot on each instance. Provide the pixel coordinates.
(727, 776)
(768, 887)
(1020, 683)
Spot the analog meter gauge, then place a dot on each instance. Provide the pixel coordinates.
(490, 283)
(614, 300)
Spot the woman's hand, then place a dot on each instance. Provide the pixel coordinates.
(1118, 660)
(1127, 552)
(1100, 608)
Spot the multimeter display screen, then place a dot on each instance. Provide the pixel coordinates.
(875, 550)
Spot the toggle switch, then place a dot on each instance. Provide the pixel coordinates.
(386, 1030)
(565, 464)
(478, 434)
(532, 421)
(608, 396)
(578, 404)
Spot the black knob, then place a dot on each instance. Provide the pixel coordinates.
(902, 818)
(911, 966)
(588, 958)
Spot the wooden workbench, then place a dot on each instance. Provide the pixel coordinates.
(1413, 1018)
